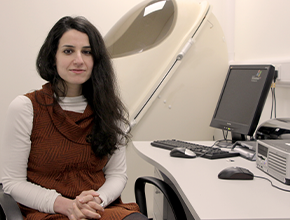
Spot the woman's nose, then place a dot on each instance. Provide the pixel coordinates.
(78, 59)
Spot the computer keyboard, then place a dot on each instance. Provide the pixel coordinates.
(200, 150)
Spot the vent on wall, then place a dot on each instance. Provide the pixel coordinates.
(277, 163)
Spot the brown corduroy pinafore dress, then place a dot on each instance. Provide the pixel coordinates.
(62, 159)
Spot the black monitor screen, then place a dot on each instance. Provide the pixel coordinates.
(242, 98)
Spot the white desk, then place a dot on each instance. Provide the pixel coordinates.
(208, 197)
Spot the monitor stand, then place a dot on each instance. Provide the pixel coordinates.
(235, 138)
(238, 137)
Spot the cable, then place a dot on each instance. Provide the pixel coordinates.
(273, 91)
(285, 190)
(274, 95)
(228, 143)
(225, 134)
(209, 148)
(273, 108)
(272, 104)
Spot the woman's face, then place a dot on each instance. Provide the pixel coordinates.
(74, 61)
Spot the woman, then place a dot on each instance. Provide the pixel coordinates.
(64, 145)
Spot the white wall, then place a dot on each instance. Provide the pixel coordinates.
(261, 29)
(261, 33)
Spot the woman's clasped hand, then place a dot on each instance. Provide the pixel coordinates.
(85, 206)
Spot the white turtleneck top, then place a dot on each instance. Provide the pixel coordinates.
(15, 151)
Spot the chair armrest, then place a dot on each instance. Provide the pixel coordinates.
(167, 191)
(9, 206)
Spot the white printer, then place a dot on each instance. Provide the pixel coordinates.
(277, 128)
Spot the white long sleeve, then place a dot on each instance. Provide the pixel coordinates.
(14, 157)
(116, 177)
(15, 152)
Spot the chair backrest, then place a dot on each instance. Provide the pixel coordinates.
(8, 207)
(167, 191)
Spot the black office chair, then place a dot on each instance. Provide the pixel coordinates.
(9, 209)
(167, 191)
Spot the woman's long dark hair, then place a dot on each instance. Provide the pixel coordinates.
(100, 90)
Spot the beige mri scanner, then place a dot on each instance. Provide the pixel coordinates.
(171, 60)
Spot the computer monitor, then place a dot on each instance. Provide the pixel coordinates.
(242, 99)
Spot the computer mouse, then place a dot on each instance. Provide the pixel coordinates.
(236, 173)
(182, 152)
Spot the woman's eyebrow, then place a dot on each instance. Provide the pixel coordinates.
(67, 45)
(87, 47)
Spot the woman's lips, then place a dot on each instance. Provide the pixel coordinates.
(77, 71)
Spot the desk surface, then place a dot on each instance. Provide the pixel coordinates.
(208, 197)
